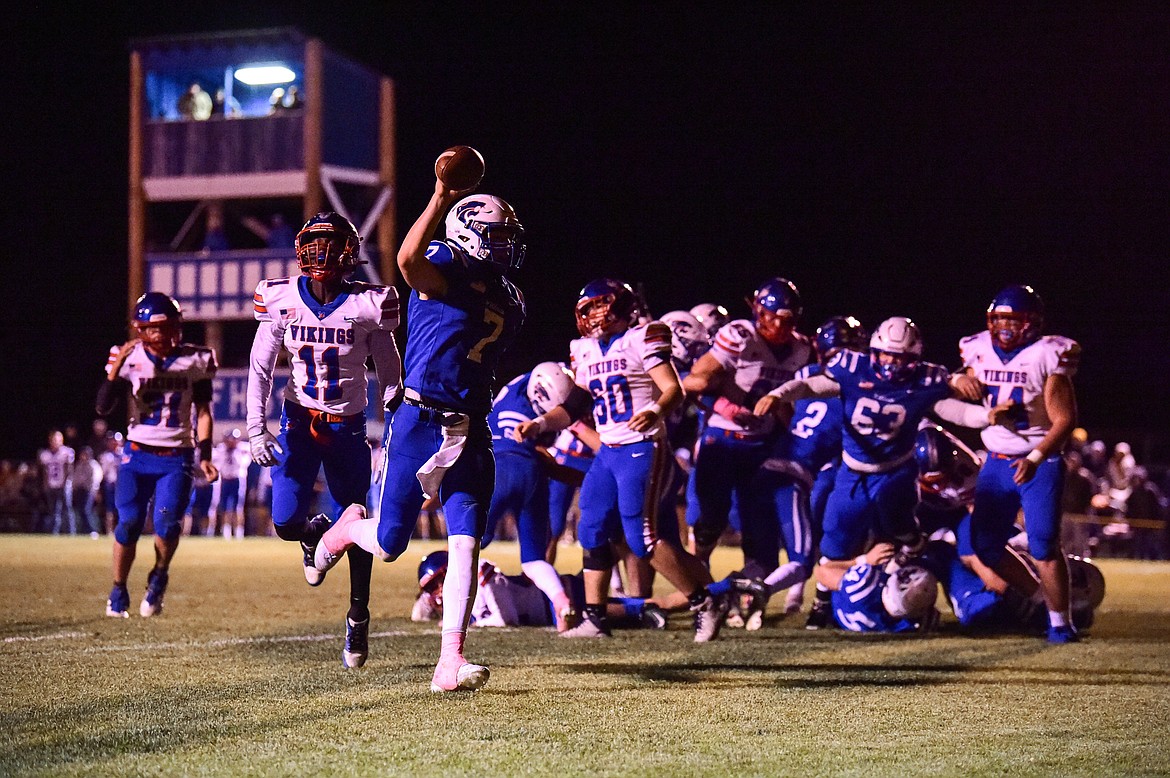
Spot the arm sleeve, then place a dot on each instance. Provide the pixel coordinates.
(261, 363)
(110, 395)
(387, 363)
(964, 414)
(804, 388)
(578, 404)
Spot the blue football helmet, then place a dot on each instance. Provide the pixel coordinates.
(158, 318)
(776, 308)
(947, 469)
(604, 306)
(839, 332)
(431, 570)
(895, 348)
(327, 247)
(1015, 317)
(487, 228)
(689, 339)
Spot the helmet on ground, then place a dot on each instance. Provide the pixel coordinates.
(158, 320)
(711, 316)
(487, 228)
(1086, 583)
(327, 247)
(431, 570)
(1015, 317)
(689, 339)
(910, 592)
(605, 306)
(895, 348)
(839, 332)
(549, 385)
(946, 467)
(776, 308)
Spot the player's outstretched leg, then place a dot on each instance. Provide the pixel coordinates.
(317, 527)
(453, 672)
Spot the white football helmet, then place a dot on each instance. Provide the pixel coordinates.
(548, 386)
(711, 316)
(899, 338)
(487, 228)
(690, 340)
(910, 592)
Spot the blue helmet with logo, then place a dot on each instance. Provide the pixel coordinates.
(158, 318)
(431, 570)
(776, 308)
(1015, 317)
(947, 469)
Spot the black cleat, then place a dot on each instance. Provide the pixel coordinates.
(357, 642)
(820, 615)
(317, 526)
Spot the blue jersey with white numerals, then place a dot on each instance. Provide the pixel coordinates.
(815, 429)
(509, 410)
(881, 418)
(857, 605)
(454, 343)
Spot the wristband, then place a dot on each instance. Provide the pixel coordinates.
(204, 450)
(654, 408)
(541, 423)
(1034, 456)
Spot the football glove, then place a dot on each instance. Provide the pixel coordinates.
(264, 448)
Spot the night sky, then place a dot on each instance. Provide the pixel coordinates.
(889, 159)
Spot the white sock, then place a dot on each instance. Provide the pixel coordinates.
(1058, 619)
(784, 576)
(545, 577)
(615, 579)
(461, 582)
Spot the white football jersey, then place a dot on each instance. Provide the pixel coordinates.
(58, 466)
(508, 601)
(161, 393)
(1021, 380)
(618, 377)
(232, 463)
(755, 366)
(327, 344)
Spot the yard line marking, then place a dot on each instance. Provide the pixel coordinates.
(56, 636)
(238, 642)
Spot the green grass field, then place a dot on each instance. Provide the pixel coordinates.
(241, 675)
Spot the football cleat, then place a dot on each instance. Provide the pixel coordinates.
(820, 615)
(567, 618)
(458, 675)
(709, 617)
(1061, 635)
(357, 643)
(734, 619)
(118, 605)
(588, 628)
(652, 617)
(317, 527)
(323, 558)
(156, 587)
(794, 600)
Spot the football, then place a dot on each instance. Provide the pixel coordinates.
(460, 167)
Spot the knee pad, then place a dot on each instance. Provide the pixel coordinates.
(600, 558)
(294, 530)
(127, 533)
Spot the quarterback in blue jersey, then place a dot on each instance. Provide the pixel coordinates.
(165, 379)
(1013, 363)
(463, 313)
(522, 482)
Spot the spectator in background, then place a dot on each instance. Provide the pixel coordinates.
(232, 459)
(97, 436)
(276, 101)
(223, 105)
(195, 103)
(1147, 502)
(276, 234)
(56, 470)
(215, 233)
(109, 459)
(1096, 459)
(1079, 485)
(87, 483)
(292, 99)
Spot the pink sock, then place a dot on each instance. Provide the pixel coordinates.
(452, 645)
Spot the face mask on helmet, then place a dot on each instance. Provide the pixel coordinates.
(776, 309)
(158, 319)
(894, 349)
(549, 386)
(605, 307)
(1015, 317)
(711, 316)
(487, 228)
(432, 570)
(327, 247)
(910, 592)
(689, 340)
